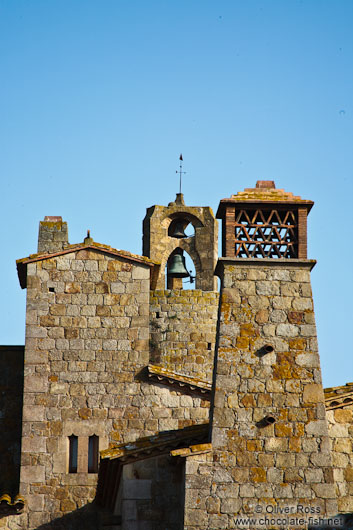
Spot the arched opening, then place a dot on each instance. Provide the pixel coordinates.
(93, 445)
(181, 228)
(180, 270)
(73, 453)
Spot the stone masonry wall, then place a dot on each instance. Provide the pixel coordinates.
(183, 331)
(286, 461)
(340, 424)
(151, 494)
(87, 341)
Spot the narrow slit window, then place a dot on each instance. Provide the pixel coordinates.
(73, 447)
(209, 346)
(93, 445)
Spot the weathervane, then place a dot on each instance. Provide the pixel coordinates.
(181, 172)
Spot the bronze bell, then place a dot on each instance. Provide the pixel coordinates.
(177, 267)
(179, 231)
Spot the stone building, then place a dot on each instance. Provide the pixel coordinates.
(137, 403)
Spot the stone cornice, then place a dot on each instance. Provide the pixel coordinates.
(264, 263)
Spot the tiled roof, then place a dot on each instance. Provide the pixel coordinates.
(176, 380)
(264, 192)
(196, 449)
(23, 262)
(9, 506)
(339, 396)
(161, 443)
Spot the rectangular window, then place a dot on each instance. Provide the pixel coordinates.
(73, 446)
(93, 447)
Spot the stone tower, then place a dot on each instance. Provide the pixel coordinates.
(268, 425)
(160, 243)
(86, 337)
(183, 321)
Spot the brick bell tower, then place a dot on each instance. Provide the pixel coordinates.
(268, 423)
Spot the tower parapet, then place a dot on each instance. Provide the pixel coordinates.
(264, 222)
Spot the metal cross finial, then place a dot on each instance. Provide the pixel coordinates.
(181, 172)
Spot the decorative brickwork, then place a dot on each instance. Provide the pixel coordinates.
(264, 222)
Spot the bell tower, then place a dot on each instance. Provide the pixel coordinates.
(165, 241)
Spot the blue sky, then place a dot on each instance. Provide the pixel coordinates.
(98, 98)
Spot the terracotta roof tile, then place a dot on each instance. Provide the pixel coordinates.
(32, 258)
(175, 379)
(11, 506)
(264, 192)
(339, 396)
(161, 443)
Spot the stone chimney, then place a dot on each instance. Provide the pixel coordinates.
(53, 234)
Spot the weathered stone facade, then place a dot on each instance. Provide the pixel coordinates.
(340, 428)
(111, 353)
(183, 330)
(87, 345)
(269, 430)
(151, 494)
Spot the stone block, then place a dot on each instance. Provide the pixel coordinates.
(140, 273)
(36, 519)
(267, 288)
(36, 357)
(33, 413)
(117, 287)
(313, 393)
(287, 330)
(213, 505)
(195, 518)
(35, 503)
(302, 304)
(318, 428)
(36, 383)
(314, 475)
(310, 360)
(278, 316)
(34, 444)
(343, 415)
(31, 474)
(246, 491)
(325, 491)
(36, 332)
